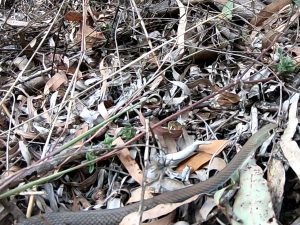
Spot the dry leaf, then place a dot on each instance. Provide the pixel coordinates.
(268, 11)
(174, 129)
(21, 62)
(137, 194)
(55, 82)
(226, 98)
(289, 147)
(207, 207)
(269, 38)
(276, 182)
(253, 204)
(26, 134)
(205, 154)
(17, 23)
(92, 37)
(84, 128)
(107, 66)
(73, 16)
(129, 163)
(181, 27)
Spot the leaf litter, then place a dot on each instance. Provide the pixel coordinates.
(104, 103)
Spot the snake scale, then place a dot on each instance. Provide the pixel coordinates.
(114, 216)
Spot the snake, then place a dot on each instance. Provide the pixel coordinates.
(115, 216)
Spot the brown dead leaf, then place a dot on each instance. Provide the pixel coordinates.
(129, 163)
(92, 36)
(296, 50)
(67, 70)
(55, 82)
(81, 182)
(27, 135)
(269, 38)
(205, 154)
(173, 130)
(84, 128)
(226, 98)
(12, 170)
(79, 203)
(71, 70)
(73, 16)
(201, 81)
(268, 11)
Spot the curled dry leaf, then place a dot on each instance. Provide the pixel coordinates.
(208, 205)
(12, 170)
(296, 50)
(80, 202)
(153, 102)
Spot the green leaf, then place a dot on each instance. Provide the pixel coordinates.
(90, 156)
(108, 140)
(127, 132)
(286, 63)
(91, 168)
(227, 9)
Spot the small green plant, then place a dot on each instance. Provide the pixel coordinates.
(286, 63)
(127, 132)
(227, 10)
(108, 140)
(90, 155)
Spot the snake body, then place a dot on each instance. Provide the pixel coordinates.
(114, 216)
